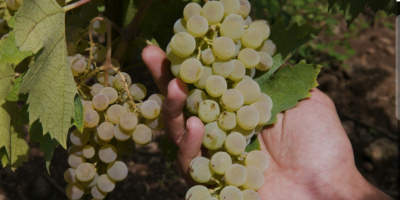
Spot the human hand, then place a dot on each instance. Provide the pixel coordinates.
(309, 152)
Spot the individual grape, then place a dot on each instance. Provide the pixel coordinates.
(74, 161)
(251, 72)
(91, 183)
(12, 4)
(197, 26)
(82, 46)
(191, 70)
(227, 120)
(235, 143)
(231, 193)
(117, 171)
(88, 151)
(257, 159)
(197, 192)
(100, 102)
(200, 170)
(159, 98)
(245, 8)
(118, 83)
(111, 94)
(207, 72)
(98, 140)
(265, 98)
(213, 11)
(232, 100)
(230, 6)
(73, 33)
(101, 77)
(87, 105)
(156, 124)
(107, 153)
(69, 175)
(269, 47)
(247, 117)
(216, 85)
(105, 184)
(128, 121)
(73, 149)
(91, 119)
(96, 89)
(208, 111)
(183, 44)
(85, 172)
(248, 21)
(191, 9)
(250, 195)
(255, 178)
(232, 26)
(99, 26)
(195, 97)
(138, 91)
(89, 11)
(105, 131)
(220, 161)
(176, 63)
(249, 57)
(262, 26)
(238, 45)
(114, 113)
(223, 68)
(246, 133)
(99, 53)
(224, 48)
(74, 191)
(142, 134)
(266, 61)
(70, 47)
(97, 194)
(263, 110)
(235, 175)
(214, 136)
(239, 71)
(79, 139)
(120, 134)
(252, 38)
(150, 109)
(125, 147)
(207, 56)
(180, 26)
(78, 67)
(250, 90)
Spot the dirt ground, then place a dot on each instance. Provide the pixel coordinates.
(364, 94)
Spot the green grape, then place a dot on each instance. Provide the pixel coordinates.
(99, 26)
(250, 90)
(263, 110)
(74, 191)
(250, 194)
(142, 134)
(96, 89)
(125, 147)
(232, 100)
(78, 66)
(252, 38)
(235, 143)
(97, 194)
(100, 102)
(247, 117)
(248, 21)
(183, 44)
(224, 48)
(156, 124)
(117, 171)
(159, 98)
(223, 68)
(216, 85)
(235, 175)
(257, 159)
(212, 198)
(70, 47)
(79, 139)
(176, 63)
(195, 97)
(220, 161)
(85, 172)
(250, 72)
(82, 46)
(73, 33)
(107, 153)
(227, 120)
(191, 70)
(180, 26)
(191, 9)
(266, 61)
(238, 45)
(230, 6)
(73, 149)
(269, 47)
(239, 71)
(12, 4)
(105, 131)
(119, 84)
(74, 160)
(111, 94)
(246, 133)
(98, 140)
(69, 175)
(197, 192)
(138, 91)
(231, 193)
(245, 8)
(208, 111)
(88, 151)
(213, 11)
(249, 57)
(120, 134)
(232, 26)
(258, 129)
(99, 53)
(150, 109)
(200, 170)
(89, 11)
(262, 26)
(105, 184)
(214, 136)
(115, 112)
(255, 178)
(265, 98)
(91, 183)
(207, 57)
(197, 26)
(207, 72)
(128, 121)
(91, 119)
(87, 105)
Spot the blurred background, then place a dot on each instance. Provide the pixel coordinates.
(358, 74)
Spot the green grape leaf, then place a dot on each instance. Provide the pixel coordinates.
(24, 117)
(5, 13)
(6, 79)
(3, 157)
(9, 53)
(40, 28)
(13, 95)
(254, 144)
(129, 12)
(78, 110)
(288, 86)
(168, 148)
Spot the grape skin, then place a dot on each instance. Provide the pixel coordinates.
(223, 68)
(224, 48)
(213, 11)
(266, 61)
(200, 170)
(216, 85)
(214, 136)
(111, 94)
(197, 26)
(252, 38)
(105, 184)
(250, 195)
(191, 9)
(249, 57)
(239, 71)
(105, 131)
(107, 153)
(183, 44)
(88, 152)
(250, 89)
(142, 134)
(85, 172)
(91, 119)
(117, 171)
(138, 91)
(232, 26)
(97, 194)
(207, 56)
(257, 159)
(115, 112)
(74, 191)
(269, 47)
(247, 117)
(231, 193)
(150, 109)
(207, 72)
(128, 121)
(191, 70)
(230, 6)
(208, 111)
(79, 139)
(120, 134)
(262, 26)
(100, 102)
(74, 161)
(235, 143)
(263, 111)
(197, 192)
(245, 8)
(220, 162)
(255, 178)
(180, 26)
(195, 97)
(227, 120)
(232, 100)
(69, 175)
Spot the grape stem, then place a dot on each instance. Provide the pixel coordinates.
(75, 5)
(126, 86)
(107, 64)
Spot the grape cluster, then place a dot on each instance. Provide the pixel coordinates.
(217, 49)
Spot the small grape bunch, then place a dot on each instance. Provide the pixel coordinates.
(115, 118)
(217, 49)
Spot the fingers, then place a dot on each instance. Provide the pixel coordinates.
(158, 64)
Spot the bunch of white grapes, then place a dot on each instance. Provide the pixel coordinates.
(217, 49)
(112, 126)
